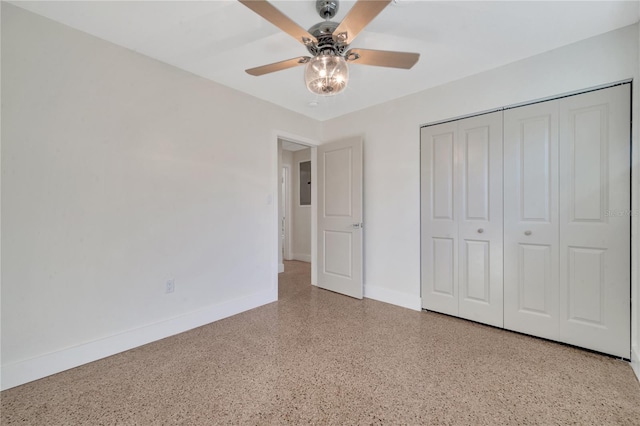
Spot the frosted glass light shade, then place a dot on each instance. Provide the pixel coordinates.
(326, 75)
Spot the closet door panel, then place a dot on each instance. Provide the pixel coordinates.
(535, 279)
(443, 265)
(595, 220)
(480, 221)
(531, 219)
(439, 229)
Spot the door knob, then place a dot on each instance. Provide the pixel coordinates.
(527, 233)
(357, 225)
(480, 230)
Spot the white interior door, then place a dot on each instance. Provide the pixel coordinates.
(439, 211)
(531, 219)
(480, 277)
(595, 220)
(340, 217)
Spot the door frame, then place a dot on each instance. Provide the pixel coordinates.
(274, 200)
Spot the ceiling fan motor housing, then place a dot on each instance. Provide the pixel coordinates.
(323, 31)
(327, 9)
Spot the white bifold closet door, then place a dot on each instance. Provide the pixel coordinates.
(461, 184)
(531, 238)
(567, 220)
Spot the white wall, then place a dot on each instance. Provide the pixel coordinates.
(287, 158)
(301, 224)
(391, 147)
(118, 173)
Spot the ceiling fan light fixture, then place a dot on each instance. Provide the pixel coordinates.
(326, 74)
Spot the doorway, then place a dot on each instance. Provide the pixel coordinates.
(295, 203)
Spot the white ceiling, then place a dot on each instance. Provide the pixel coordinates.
(292, 146)
(218, 40)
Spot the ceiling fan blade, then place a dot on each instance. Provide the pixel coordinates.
(280, 20)
(358, 17)
(382, 58)
(278, 66)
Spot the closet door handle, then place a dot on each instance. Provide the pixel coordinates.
(527, 233)
(480, 230)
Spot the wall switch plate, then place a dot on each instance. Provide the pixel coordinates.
(171, 286)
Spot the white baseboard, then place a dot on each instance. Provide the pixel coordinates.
(302, 257)
(281, 268)
(635, 360)
(393, 297)
(21, 372)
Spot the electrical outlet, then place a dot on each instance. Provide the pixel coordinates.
(171, 286)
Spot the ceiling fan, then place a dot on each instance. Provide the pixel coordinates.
(326, 71)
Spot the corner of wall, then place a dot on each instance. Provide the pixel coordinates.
(393, 297)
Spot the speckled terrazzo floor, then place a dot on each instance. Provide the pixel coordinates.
(316, 357)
